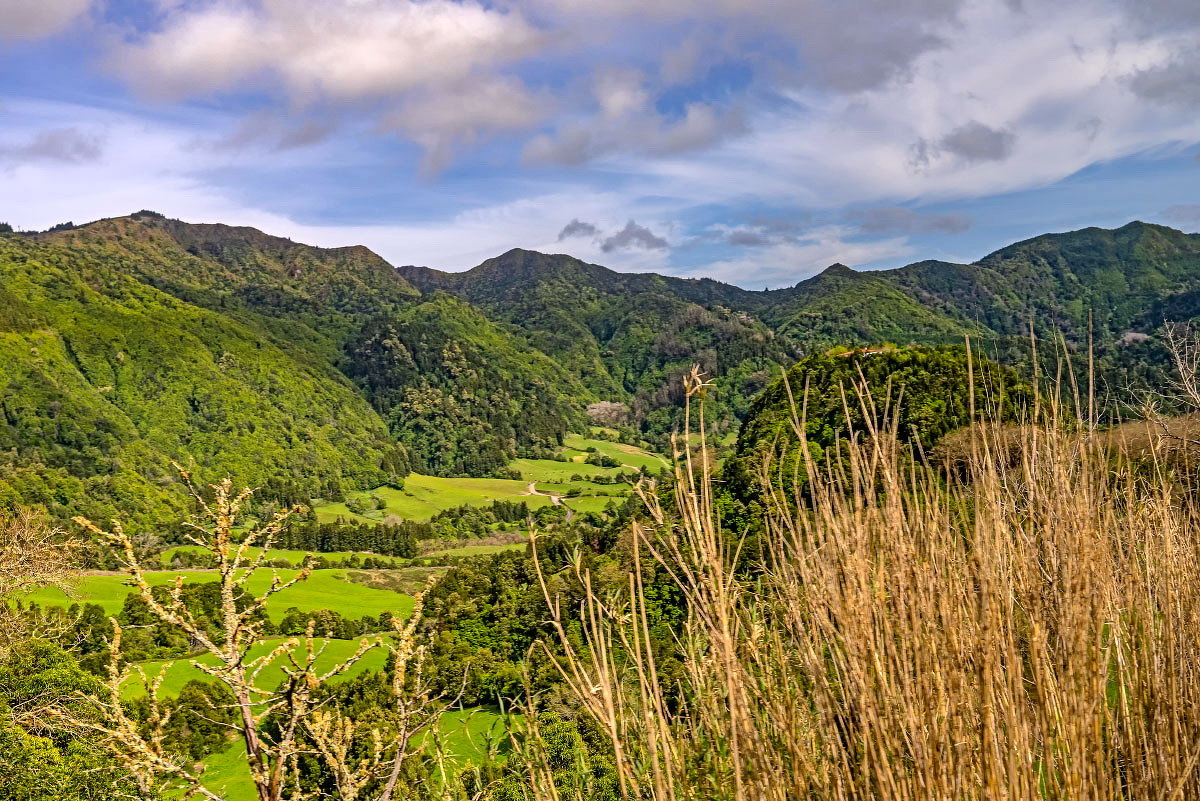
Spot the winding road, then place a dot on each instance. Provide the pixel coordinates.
(556, 500)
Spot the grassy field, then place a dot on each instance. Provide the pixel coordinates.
(324, 589)
(424, 496)
(180, 671)
(463, 732)
(586, 487)
(551, 471)
(477, 550)
(627, 455)
(295, 557)
(226, 774)
(585, 504)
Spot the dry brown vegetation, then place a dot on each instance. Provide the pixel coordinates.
(1028, 628)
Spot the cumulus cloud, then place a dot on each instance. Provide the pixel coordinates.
(650, 134)
(903, 220)
(339, 49)
(275, 132)
(633, 236)
(998, 96)
(440, 121)
(34, 19)
(787, 262)
(68, 145)
(971, 142)
(744, 237)
(577, 228)
(760, 231)
(829, 44)
(978, 142)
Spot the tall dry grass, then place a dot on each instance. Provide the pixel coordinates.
(1026, 626)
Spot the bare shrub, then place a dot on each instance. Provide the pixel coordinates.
(608, 413)
(279, 725)
(33, 554)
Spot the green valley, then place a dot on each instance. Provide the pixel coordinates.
(458, 455)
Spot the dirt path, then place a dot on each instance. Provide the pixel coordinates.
(556, 500)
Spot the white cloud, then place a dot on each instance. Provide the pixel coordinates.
(471, 112)
(34, 19)
(903, 220)
(620, 92)
(1046, 90)
(647, 134)
(1007, 96)
(67, 144)
(337, 49)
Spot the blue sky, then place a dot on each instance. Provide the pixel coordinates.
(755, 141)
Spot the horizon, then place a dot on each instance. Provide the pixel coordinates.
(810, 274)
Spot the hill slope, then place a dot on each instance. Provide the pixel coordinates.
(131, 342)
(627, 337)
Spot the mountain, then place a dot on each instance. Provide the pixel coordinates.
(131, 342)
(841, 306)
(1117, 278)
(628, 338)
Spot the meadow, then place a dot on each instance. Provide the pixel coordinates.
(477, 550)
(178, 672)
(424, 496)
(463, 733)
(324, 589)
(293, 556)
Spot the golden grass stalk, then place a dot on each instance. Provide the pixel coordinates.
(1029, 629)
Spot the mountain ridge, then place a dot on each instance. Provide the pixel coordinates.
(134, 341)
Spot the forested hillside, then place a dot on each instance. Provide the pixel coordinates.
(129, 343)
(627, 337)
(135, 342)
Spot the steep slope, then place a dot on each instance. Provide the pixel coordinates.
(311, 297)
(464, 395)
(130, 342)
(925, 392)
(104, 380)
(1107, 282)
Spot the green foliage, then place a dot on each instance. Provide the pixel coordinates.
(462, 393)
(924, 392)
(40, 763)
(128, 343)
(324, 589)
(119, 373)
(627, 338)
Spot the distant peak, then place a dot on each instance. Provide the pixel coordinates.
(837, 269)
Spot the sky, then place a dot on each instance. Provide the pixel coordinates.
(752, 141)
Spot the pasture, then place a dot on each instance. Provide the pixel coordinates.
(324, 589)
(179, 672)
(424, 496)
(463, 734)
(295, 557)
